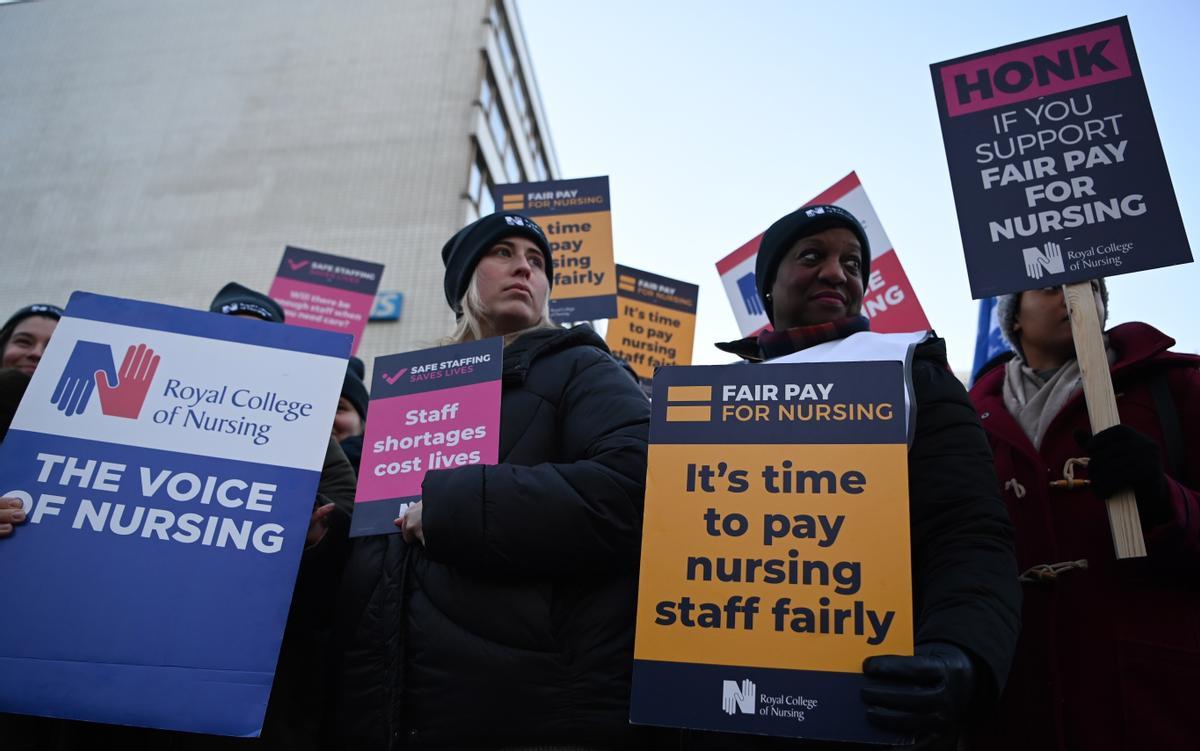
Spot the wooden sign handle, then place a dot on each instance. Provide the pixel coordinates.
(1102, 408)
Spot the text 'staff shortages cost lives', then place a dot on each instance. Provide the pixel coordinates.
(655, 323)
(577, 218)
(775, 555)
(169, 462)
(1057, 168)
(327, 292)
(431, 409)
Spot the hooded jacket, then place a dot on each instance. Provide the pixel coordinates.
(1109, 656)
(513, 624)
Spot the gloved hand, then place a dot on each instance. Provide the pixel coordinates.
(925, 694)
(1121, 458)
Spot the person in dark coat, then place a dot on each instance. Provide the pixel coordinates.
(810, 271)
(1109, 655)
(503, 616)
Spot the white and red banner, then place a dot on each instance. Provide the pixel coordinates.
(888, 300)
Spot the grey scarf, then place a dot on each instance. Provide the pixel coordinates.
(1034, 401)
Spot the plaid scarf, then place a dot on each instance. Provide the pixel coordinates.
(774, 344)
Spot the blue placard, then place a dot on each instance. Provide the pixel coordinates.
(168, 460)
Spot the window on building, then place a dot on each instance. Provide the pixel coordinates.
(479, 186)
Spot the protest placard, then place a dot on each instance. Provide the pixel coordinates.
(576, 216)
(888, 300)
(327, 292)
(431, 409)
(1057, 169)
(655, 323)
(775, 556)
(168, 460)
(1059, 177)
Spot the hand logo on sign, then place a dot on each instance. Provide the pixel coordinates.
(1038, 262)
(750, 295)
(125, 399)
(78, 379)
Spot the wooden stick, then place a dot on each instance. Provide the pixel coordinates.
(1102, 408)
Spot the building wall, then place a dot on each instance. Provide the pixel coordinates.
(157, 150)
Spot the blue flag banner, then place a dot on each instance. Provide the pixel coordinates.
(168, 462)
(989, 341)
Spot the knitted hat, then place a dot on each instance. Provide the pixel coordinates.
(462, 252)
(235, 298)
(783, 234)
(354, 389)
(1007, 307)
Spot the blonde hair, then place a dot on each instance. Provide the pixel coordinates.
(470, 324)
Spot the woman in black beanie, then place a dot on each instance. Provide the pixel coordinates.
(25, 335)
(811, 269)
(503, 616)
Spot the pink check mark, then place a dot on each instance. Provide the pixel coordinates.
(297, 265)
(391, 379)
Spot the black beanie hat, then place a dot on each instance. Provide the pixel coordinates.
(354, 389)
(462, 252)
(783, 234)
(235, 298)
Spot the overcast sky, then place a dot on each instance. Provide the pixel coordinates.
(713, 119)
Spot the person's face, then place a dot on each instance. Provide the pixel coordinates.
(512, 284)
(1044, 328)
(27, 343)
(346, 422)
(819, 280)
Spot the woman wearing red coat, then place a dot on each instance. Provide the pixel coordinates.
(1109, 654)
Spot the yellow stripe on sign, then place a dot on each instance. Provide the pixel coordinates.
(512, 197)
(627, 285)
(689, 394)
(689, 414)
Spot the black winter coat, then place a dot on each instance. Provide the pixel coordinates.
(965, 589)
(513, 625)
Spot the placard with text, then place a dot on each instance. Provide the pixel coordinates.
(775, 551)
(655, 323)
(327, 292)
(1058, 172)
(431, 409)
(168, 460)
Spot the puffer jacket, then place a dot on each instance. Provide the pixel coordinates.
(513, 624)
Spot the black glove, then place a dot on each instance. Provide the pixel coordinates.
(1121, 458)
(925, 694)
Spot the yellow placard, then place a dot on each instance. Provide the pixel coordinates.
(776, 556)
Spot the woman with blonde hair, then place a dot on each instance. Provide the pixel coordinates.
(503, 616)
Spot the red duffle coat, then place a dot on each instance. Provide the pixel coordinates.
(1109, 655)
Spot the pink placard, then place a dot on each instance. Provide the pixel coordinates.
(409, 435)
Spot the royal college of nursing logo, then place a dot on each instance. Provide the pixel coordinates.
(735, 698)
(91, 368)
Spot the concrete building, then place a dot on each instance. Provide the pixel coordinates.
(157, 150)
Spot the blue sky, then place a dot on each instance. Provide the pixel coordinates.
(714, 119)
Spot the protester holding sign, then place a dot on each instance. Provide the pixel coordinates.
(504, 614)
(810, 272)
(1097, 631)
